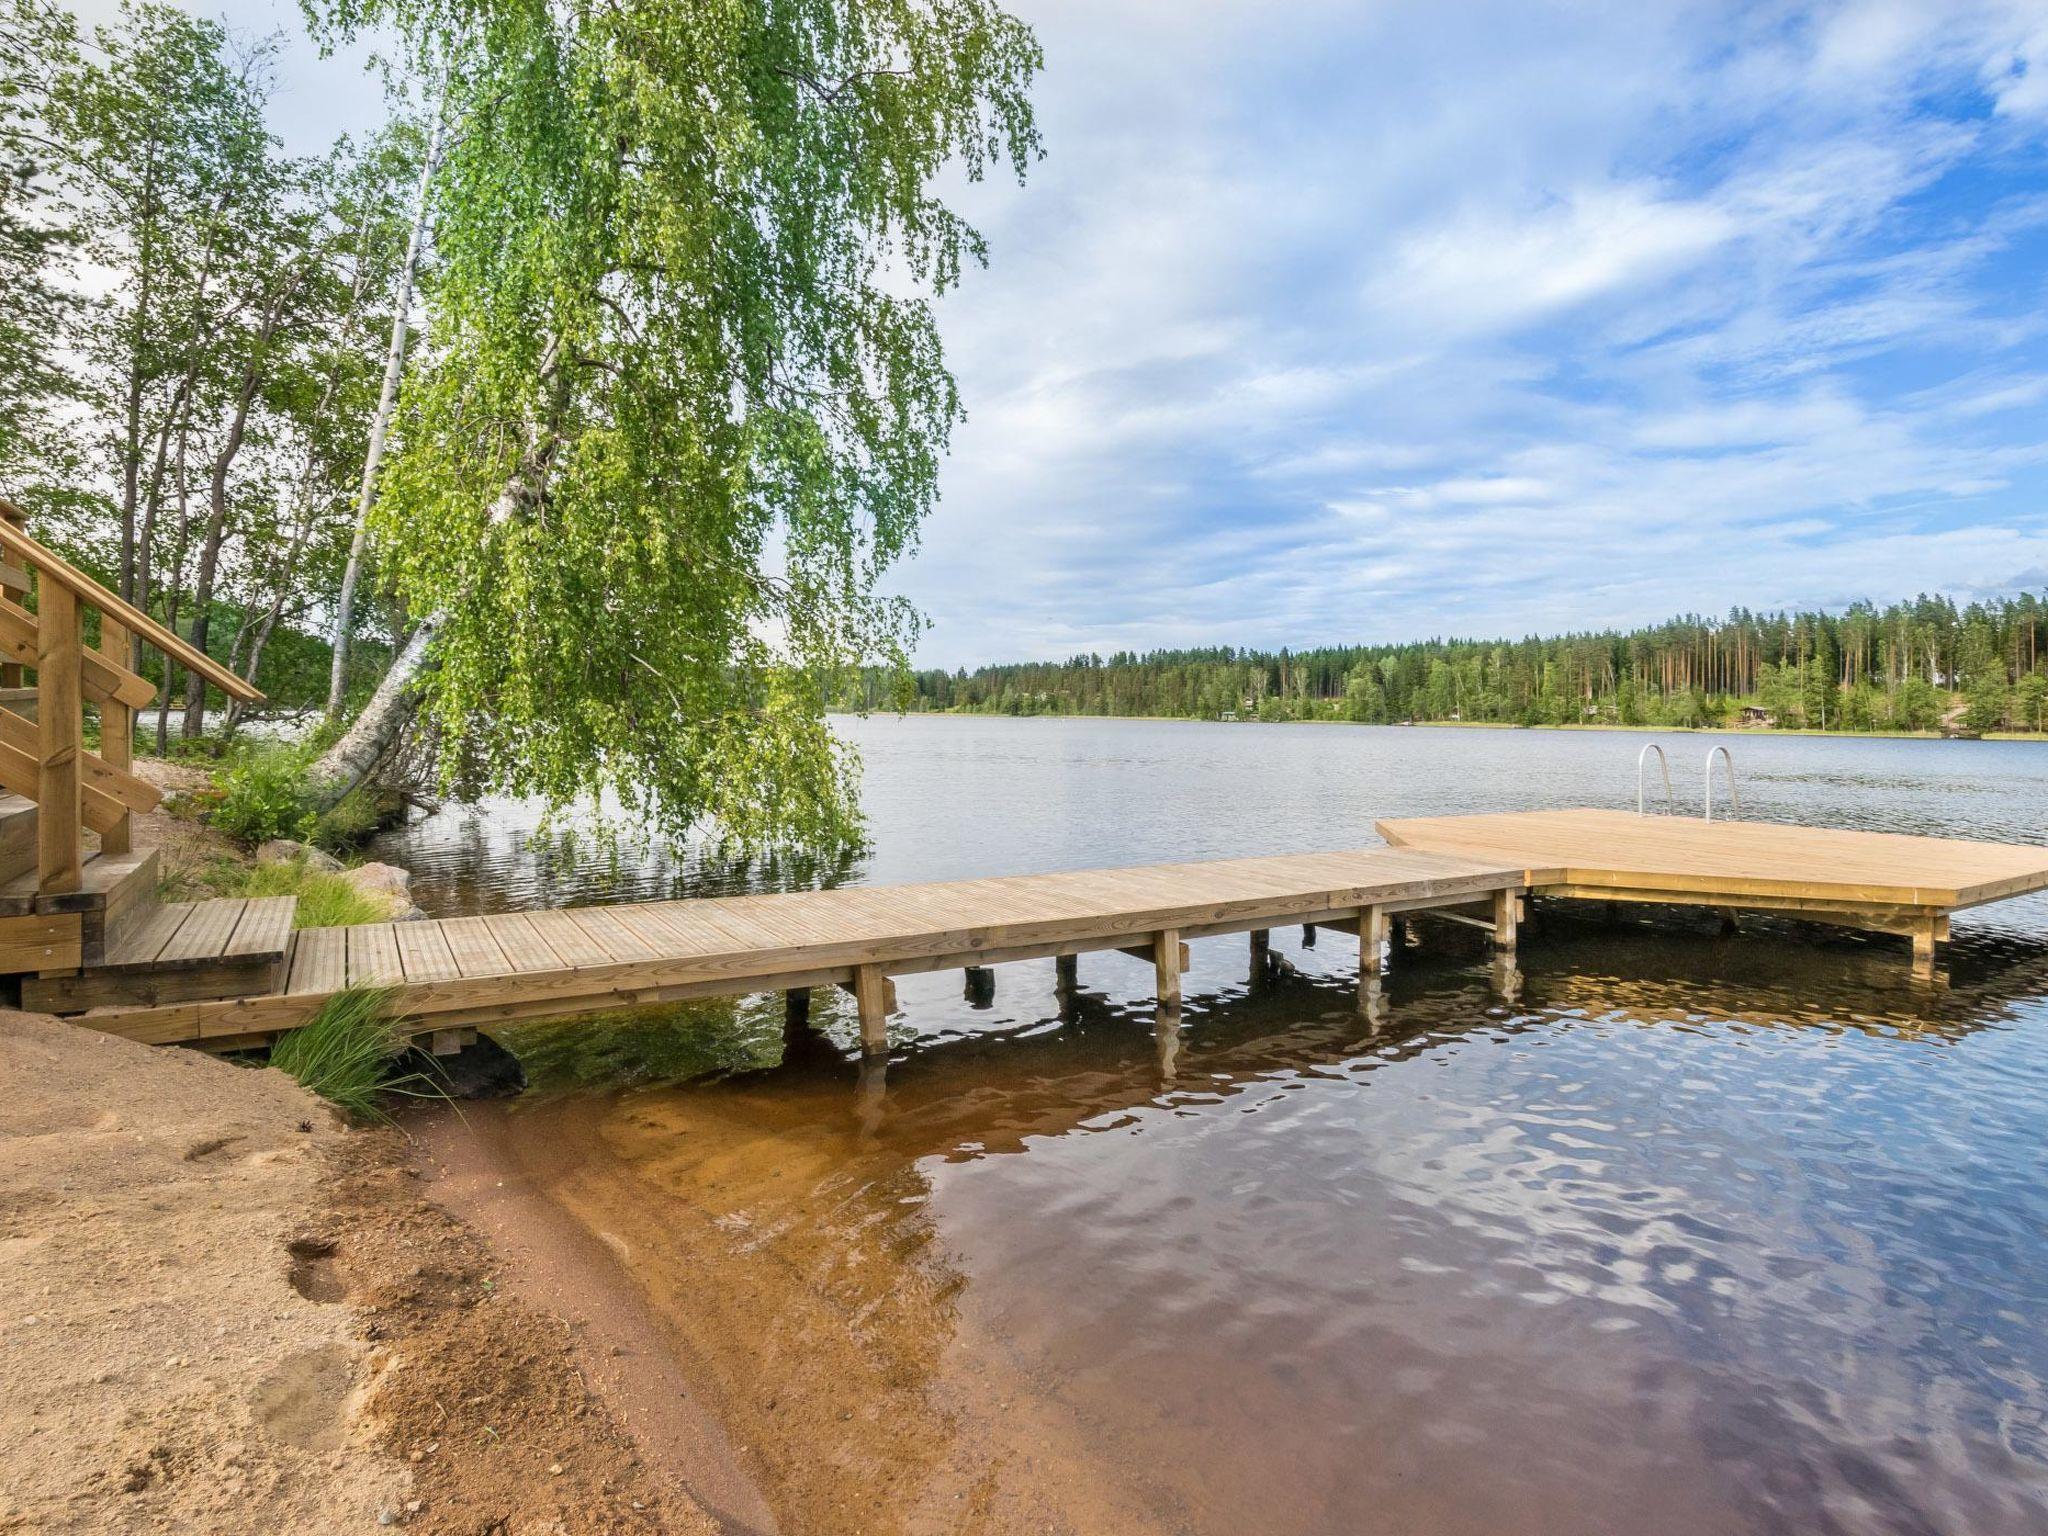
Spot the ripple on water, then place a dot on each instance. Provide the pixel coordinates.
(1698, 1236)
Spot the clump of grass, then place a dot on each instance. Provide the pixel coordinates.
(326, 900)
(343, 1053)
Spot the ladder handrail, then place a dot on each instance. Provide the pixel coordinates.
(1734, 797)
(1642, 762)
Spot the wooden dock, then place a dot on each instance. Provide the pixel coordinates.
(1879, 881)
(182, 975)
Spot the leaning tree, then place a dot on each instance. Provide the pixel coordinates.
(681, 400)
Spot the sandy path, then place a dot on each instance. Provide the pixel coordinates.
(220, 1312)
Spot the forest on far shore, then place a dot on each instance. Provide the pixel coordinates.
(1911, 666)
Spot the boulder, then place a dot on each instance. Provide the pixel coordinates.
(386, 880)
(283, 850)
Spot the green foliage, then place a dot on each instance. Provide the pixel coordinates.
(349, 824)
(263, 795)
(326, 900)
(344, 1052)
(683, 406)
(1863, 669)
(36, 39)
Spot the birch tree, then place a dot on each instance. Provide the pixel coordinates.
(683, 402)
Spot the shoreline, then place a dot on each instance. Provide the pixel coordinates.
(1749, 732)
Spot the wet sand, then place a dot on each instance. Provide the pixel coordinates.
(837, 1373)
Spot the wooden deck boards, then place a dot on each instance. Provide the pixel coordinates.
(472, 969)
(478, 970)
(1737, 858)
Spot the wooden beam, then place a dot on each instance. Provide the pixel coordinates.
(1374, 923)
(1169, 959)
(82, 588)
(115, 783)
(60, 848)
(871, 991)
(1923, 950)
(103, 682)
(1066, 971)
(21, 774)
(1507, 906)
(117, 740)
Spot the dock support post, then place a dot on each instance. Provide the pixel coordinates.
(1262, 952)
(1924, 933)
(1507, 911)
(1166, 966)
(871, 993)
(1066, 972)
(796, 1007)
(1308, 935)
(1375, 925)
(980, 986)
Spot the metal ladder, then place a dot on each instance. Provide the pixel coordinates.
(1670, 802)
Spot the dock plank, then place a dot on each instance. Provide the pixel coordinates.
(373, 959)
(265, 927)
(205, 932)
(423, 952)
(319, 962)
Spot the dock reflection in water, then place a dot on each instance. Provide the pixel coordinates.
(1692, 1237)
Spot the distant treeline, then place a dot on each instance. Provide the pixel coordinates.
(1912, 666)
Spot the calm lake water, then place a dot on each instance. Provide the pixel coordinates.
(1695, 1234)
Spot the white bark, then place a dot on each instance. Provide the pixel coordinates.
(379, 729)
(380, 427)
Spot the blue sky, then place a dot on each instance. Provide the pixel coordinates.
(1328, 322)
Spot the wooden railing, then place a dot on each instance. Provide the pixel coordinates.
(45, 759)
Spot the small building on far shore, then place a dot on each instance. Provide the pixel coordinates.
(1755, 717)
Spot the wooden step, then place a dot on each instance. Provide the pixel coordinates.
(181, 952)
(115, 890)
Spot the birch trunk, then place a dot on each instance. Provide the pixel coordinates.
(380, 426)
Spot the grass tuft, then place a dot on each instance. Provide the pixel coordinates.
(344, 1053)
(326, 900)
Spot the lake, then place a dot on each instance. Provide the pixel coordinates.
(1686, 1233)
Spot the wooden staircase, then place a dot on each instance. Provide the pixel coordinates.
(82, 927)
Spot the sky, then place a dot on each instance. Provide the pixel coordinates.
(1351, 322)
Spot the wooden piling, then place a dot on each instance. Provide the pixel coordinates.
(1374, 927)
(1066, 971)
(1924, 934)
(871, 991)
(1166, 965)
(1507, 912)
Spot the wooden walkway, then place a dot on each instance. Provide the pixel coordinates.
(174, 971)
(468, 971)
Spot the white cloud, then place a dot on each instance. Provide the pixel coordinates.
(1325, 324)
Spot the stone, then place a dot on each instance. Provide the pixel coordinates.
(381, 880)
(283, 850)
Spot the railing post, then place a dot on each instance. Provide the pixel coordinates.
(117, 730)
(60, 726)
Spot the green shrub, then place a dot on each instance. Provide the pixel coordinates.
(343, 1053)
(326, 900)
(349, 824)
(263, 795)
